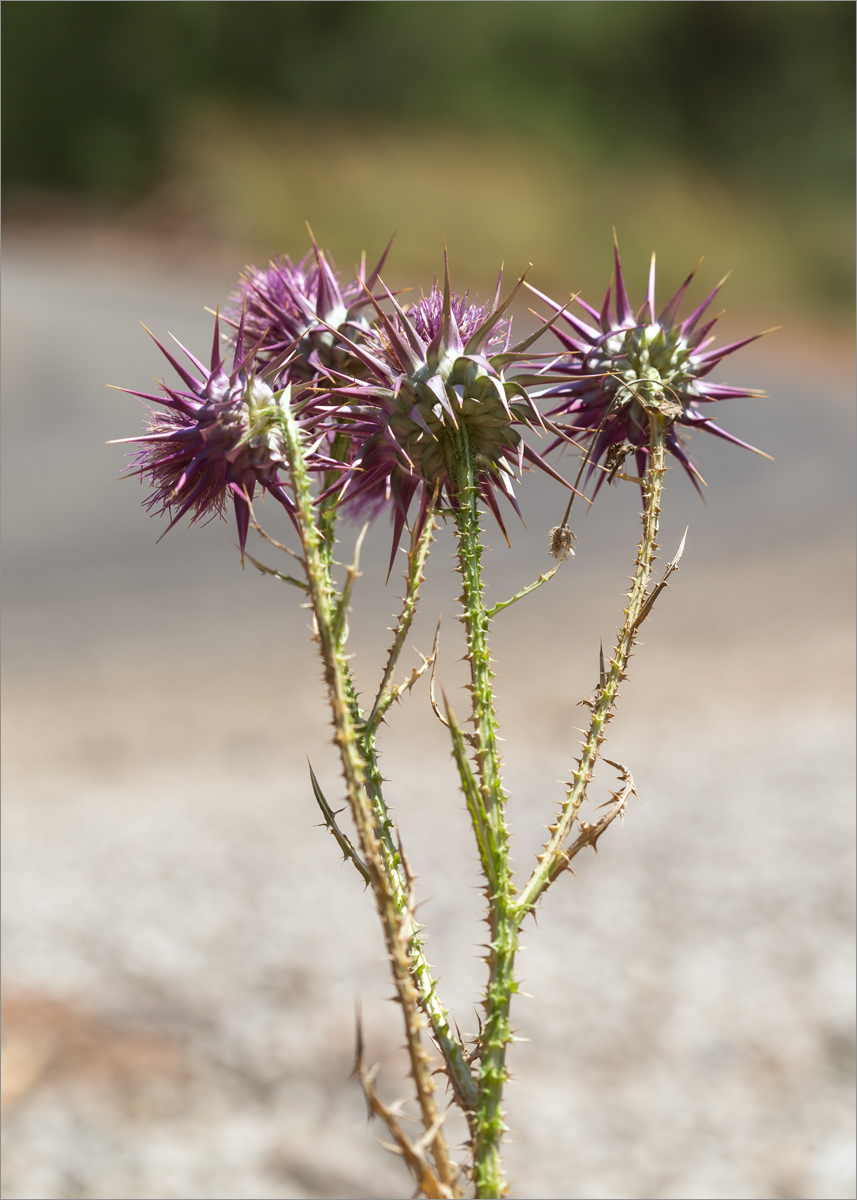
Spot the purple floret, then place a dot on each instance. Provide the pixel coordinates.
(299, 308)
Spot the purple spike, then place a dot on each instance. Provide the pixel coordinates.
(199, 366)
(487, 493)
(480, 336)
(246, 363)
(698, 341)
(454, 343)
(446, 322)
(708, 425)
(624, 312)
(571, 344)
(689, 322)
(398, 529)
(216, 359)
(376, 274)
(328, 293)
(321, 305)
(239, 341)
(242, 515)
(604, 315)
(591, 334)
(668, 316)
(599, 482)
(397, 446)
(721, 391)
(679, 452)
(192, 383)
(288, 504)
(410, 354)
(714, 356)
(439, 390)
(593, 312)
(403, 497)
(176, 435)
(189, 407)
(495, 303)
(534, 457)
(417, 418)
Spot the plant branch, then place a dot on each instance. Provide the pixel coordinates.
(260, 566)
(342, 840)
(412, 1152)
(525, 591)
(417, 555)
(491, 831)
(554, 859)
(317, 559)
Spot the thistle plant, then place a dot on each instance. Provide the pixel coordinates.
(349, 400)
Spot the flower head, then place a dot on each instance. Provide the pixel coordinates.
(430, 373)
(299, 308)
(619, 366)
(219, 437)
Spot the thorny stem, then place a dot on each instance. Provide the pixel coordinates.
(553, 860)
(491, 828)
(327, 509)
(450, 1046)
(419, 551)
(321, 591)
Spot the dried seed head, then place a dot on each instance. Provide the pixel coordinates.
(614, 459)
(561, 542)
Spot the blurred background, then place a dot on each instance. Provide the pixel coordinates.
(182, 949)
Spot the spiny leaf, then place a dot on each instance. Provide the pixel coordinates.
(342, 840)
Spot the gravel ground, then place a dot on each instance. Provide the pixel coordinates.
(182, 949)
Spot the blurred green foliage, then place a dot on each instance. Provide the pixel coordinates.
(514, 129)
(760, 92)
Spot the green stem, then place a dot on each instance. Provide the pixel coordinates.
(489, 1125)
(553, 860)
(450, 1046)
(525, 591)
(419, 551)
(328, 508)
(317, 558)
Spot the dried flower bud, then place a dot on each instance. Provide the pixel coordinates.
(561, 542)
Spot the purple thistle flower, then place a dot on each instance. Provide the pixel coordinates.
(299, 308)
(219, 437)
(617, 359)
(426, 316)
(427, 372)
